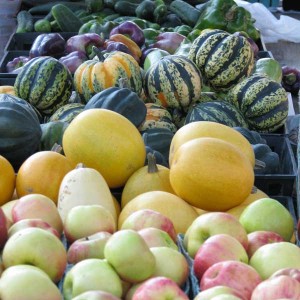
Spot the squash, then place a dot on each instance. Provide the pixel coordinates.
(7, 89)
(42, 173)
(262, 101)
(252, 136)
(7, 180)
(173, 82)
(160, 159)
(67, 112)
(45, 83)
(94, 76)
(270, 159)
(211, 174)
(20, 132)
(106, 141)
(84, 186)
(152, 177)
(224, 59)
(210, 129)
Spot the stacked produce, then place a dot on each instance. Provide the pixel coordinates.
(129, 155)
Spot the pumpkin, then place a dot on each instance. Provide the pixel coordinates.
(20, 132)
(153, 177)
(216, 111)
(211, 174)
(223, 58)
(210, 129)
(105, 140)
(45, 83)
(67, 112)
(173, 82)
(7, 180)
(121, 100)
(262, 101)
(94, 76)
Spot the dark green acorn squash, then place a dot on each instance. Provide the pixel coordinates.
(252, 136)
(20, 132)
(45, 83)
(121, 100)
(262, 101)
(216, 111)
(67, 112)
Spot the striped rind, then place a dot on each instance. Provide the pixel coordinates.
(67, 112)
(174, 81)
(263, 102)
(45, 83)
(216, 111)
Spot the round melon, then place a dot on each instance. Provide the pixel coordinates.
(211, 174)
(106, 141)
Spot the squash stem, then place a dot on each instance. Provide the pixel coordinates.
(152, 167)
(56, 148)
(98, 53)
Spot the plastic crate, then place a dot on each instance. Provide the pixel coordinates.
(7, 81)
(282, 183)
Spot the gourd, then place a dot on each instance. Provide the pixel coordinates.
(173, 82)
(45, 83)
(94, 76)
(67, 112)
(252, 136)
(223, 58)
(270, 158)
(262, 101)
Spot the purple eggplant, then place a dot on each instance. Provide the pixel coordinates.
(84, 43)
(168, 41)
(48, 44)
(132, 30)
(16, 64)
(291, 79)
(73, 60)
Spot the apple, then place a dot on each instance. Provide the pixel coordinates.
(235, 274)
(155, 237)
(7, 208)
(149, 218)
(298, 230)
(91, 246)
(3, 228)
(95, 218)
(130, 292)
(161, 288)
(278, 287)
(210, 224)
(38, 247)
(170, 263)
(226, 297)
(216, 291)
(28, 283)
(96, 295)
(34, 206)
(130, 255)
(270, 215)
(25, 223)
(259, 238)
(272, 257)
(219, 247)
(91, 274)
(292, 272)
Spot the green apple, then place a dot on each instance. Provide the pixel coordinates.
(170, 263)
(96, 295)
(270, 258)
(269, 215)
(91, 274)
(38, 247)
(130, 255)
(27, 283)
(217, 290)
(95, 218)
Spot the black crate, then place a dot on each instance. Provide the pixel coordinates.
(8, 56)
(282, 183)
(24, 41)
(7, 81)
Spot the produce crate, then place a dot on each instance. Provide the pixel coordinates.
(7, 81)
(282, 183)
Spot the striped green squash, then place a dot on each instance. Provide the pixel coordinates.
(263, 102)
(173, 82)
(223, 58)
(45, 83)
(216, 111)
(67, 112)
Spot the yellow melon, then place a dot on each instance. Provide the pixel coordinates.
(7, 180)
(210, 129)
(211, 174)
(180, 212)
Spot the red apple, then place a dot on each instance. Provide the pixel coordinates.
(278, 287)
(234, 274)
(259, 238)
(292, 272)
(3, 228)
(219, 247)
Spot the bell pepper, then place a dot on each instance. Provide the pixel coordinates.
(183, 29)
(168, 41)
(291, 79)
(95, 26)
(228, 16)
(117, 46)
(16, 63)
(132, 30)
(48, 44)
(73, 60)
(150, 35)
(84, 43)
